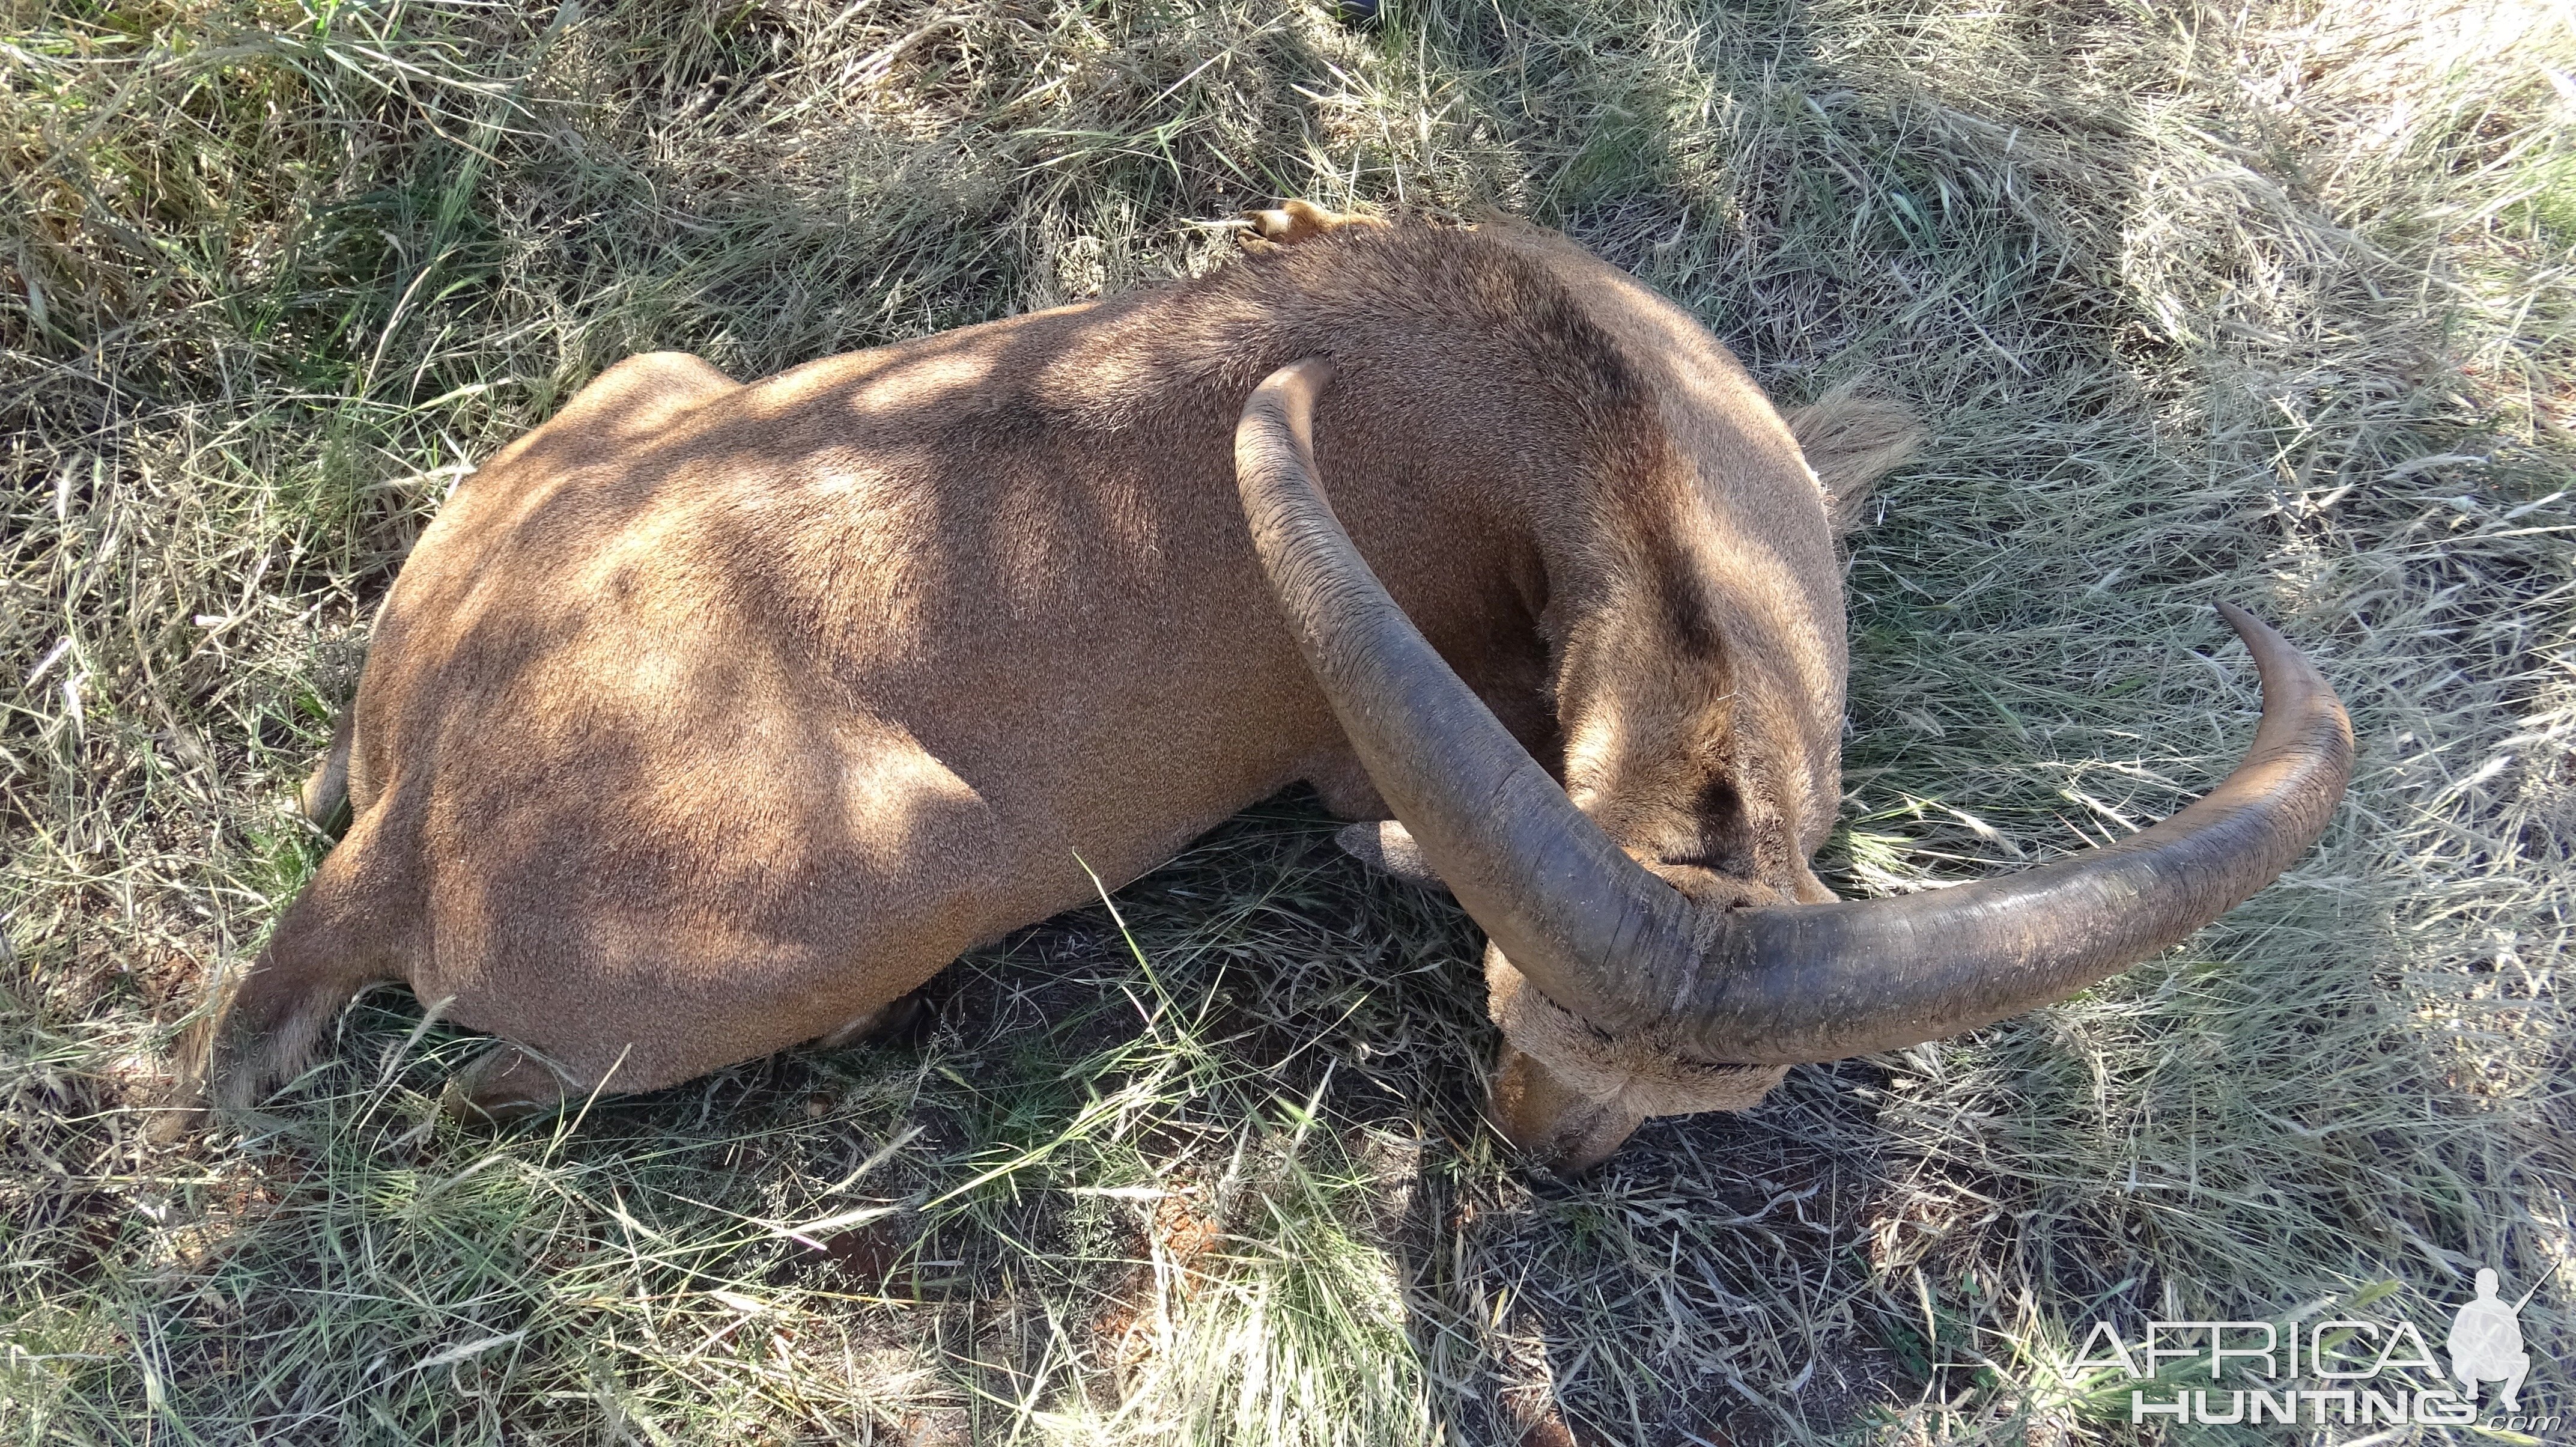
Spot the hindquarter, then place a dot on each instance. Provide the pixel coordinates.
(682, 857)
(706, 747)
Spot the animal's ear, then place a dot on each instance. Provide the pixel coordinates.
(1388, 848)
(1850, 442)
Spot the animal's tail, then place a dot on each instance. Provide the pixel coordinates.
(1851, 441)
(263, 1027)
(325, 796)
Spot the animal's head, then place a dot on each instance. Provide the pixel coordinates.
(1698, 670)
(1657, 941)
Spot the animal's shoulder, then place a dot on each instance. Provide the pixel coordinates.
(630, 404)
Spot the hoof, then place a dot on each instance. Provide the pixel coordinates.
(890, 1019)
(506, 1084)
(1294, 221)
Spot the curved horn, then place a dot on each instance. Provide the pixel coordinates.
(1599, 934)
(1818, 982)
(1577, 917)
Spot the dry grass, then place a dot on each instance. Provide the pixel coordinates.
(2271, 303)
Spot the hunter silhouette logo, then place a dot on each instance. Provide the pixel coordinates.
(2486, 1343)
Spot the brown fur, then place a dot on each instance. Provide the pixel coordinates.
(710, 718)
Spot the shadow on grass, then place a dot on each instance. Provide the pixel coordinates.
(1228, 1174)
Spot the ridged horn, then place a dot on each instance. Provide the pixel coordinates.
(1818, 982)
(1603, 937)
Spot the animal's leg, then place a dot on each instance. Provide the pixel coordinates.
(507, 1083)
(1295, 221)
(1375, 840)
(887, 1018)
(325, 795)
(1550, 1120)
(333, 942)
(1388, 848)
(504, 1084)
